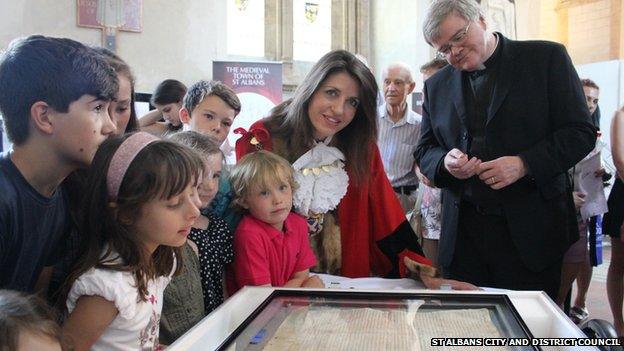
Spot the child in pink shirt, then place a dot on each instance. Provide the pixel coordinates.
(270, 243)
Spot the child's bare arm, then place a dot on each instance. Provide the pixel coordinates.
(157, 128)
(88, 320)
(150, 118)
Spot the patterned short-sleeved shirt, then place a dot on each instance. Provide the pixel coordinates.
(214, 246)
(431, 211)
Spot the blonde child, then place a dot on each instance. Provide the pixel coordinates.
(271, 243)
(26, 323)
(199, 289)
(140, 204)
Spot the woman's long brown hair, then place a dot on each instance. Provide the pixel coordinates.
(290, 123)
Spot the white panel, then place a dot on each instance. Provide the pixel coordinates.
(311, 29)
(245, 27)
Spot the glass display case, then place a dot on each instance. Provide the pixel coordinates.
(348, 320)
(380, 314)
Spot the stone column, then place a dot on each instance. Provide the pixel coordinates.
(351, 26)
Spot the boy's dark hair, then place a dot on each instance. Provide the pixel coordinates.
(25, 313)
(202, 89)
(57, 71)
(589, 83)
(167, 92)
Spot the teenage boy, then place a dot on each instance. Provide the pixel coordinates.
(54, 97)
(209, 108)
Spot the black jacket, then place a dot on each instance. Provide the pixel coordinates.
(538, 112)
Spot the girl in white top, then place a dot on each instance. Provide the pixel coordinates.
(139, 207)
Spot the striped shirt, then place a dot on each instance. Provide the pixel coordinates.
(397, 143)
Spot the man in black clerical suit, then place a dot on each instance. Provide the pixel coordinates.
(501, 126)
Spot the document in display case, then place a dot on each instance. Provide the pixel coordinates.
(351, 320)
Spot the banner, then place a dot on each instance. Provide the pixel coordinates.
(259, 88)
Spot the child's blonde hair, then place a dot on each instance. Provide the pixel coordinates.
(258, 170)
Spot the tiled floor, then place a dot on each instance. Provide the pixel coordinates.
(597, 302)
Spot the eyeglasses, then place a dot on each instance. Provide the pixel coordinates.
(445, 49)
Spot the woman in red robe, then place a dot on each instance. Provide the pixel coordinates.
(334, 109)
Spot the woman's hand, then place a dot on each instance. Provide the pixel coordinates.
(435, 283)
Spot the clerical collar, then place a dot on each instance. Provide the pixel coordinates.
(491, 61)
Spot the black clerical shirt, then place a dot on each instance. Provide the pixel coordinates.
(478, 87)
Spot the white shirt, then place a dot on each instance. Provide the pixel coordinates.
(137, 325)
(397, 143)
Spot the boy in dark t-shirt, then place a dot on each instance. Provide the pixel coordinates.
(32, 226)
(54, 96)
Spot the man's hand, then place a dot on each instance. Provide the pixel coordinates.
(459, 166)
(502, 172)
(579, 199)
(435, 283)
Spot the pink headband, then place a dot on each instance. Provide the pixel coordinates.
(122, 159)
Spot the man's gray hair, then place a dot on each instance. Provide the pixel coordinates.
(405, 68)
(440, 9)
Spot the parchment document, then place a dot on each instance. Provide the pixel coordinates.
(326, 328)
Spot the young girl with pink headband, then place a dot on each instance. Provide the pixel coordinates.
(139, 207)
